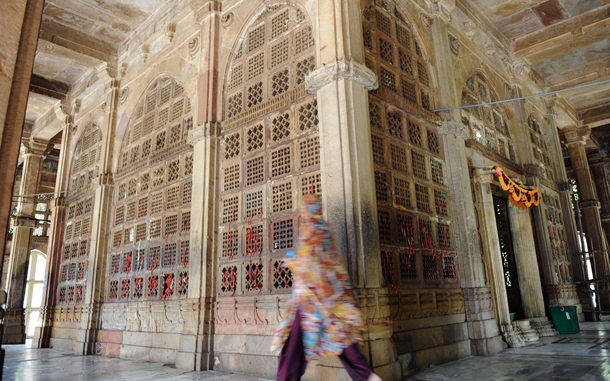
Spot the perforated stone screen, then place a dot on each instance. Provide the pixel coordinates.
(79, 210)
(488, 124)
(540, 149)
(559, 245)
(151, 204)
(270, 152)
(413, 219)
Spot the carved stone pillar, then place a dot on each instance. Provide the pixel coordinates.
(89, 325)
(20, 248)
(492, 245)
(197, 338)
(576, 138)
(196, 341)
(527, 269)
(557, 294)
(482, 325)
(42, 334)
(90, 322)
(350, 206)
(600, 174)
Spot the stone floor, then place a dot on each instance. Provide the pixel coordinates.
(584, 356)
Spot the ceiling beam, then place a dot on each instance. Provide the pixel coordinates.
(564, 37)
(595, 114)
(51, 88)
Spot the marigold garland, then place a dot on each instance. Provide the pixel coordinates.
(522, 198)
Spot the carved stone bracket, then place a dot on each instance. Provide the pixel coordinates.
(58, 202)
(484, 176)
(103, 179)
(589, 204)
(452, 127)
(533, 170)
(341, 69)
(206, 130)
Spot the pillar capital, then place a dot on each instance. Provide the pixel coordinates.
(24, 222)
(589, 204)
(205, 130)
(36, 148)
(577, 135)
(203, 8)
(341, 68)
(483, 175)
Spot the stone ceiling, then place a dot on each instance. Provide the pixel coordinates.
(95, 27)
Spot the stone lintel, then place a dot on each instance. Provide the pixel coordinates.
(332, 72)
(589, 204)
(565, 187)
(206, 130)
(452, 127)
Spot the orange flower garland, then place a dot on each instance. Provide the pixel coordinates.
(522, 198)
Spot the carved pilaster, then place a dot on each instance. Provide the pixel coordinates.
(452, 127)
(204, 8)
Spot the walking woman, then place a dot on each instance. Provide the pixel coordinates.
(323, 318)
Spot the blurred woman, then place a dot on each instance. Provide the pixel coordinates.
(323, 318)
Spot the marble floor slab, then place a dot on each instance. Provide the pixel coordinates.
(584, 356)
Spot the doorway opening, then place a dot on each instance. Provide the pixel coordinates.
(511, 279)
(34, 291)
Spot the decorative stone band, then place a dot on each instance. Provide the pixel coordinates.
(564, 187)
(605, 217)
(206, 130)
(351, 70)
(451, 127)
(589, 204)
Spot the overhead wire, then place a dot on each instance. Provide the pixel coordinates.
(526, 97)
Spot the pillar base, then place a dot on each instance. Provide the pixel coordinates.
(86, 340)
(194, 353)
(543, 327)
(525, 330)
(14, 326)
(512, 338)
(485, 339)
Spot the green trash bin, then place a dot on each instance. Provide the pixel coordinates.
(565, 319)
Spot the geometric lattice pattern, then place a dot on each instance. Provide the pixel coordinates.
(156, 182)
(279, 157)
(412, 202)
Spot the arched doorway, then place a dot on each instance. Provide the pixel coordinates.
(34, 290)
